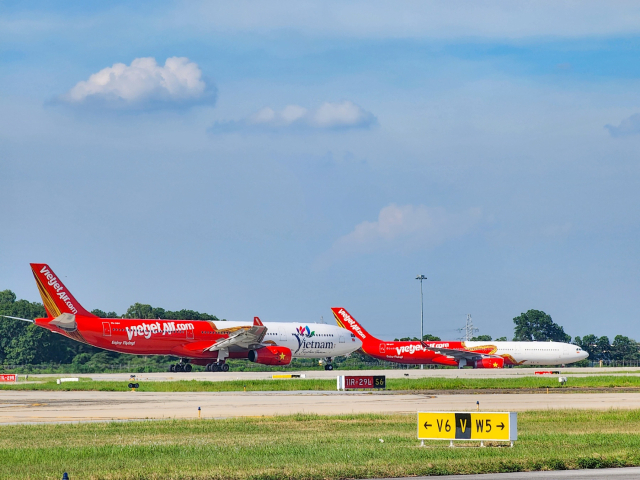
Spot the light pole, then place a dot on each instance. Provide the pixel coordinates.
(421, 278)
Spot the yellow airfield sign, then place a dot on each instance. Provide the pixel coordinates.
(498, 426)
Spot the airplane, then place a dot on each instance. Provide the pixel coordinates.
(489, 354)
(199, 342)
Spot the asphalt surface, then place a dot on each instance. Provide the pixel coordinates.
(32, 406)
(632, 473)
(394, 373)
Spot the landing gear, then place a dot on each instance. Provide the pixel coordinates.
(328, 365)
(217, 367)
(181, 367)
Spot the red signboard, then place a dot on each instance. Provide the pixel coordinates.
(9, 378)
(368, 381)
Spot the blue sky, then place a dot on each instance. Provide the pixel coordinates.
(252, 158)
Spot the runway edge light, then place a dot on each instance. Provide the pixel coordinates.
(479, 426)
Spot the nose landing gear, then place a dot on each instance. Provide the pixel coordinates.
(327, 364)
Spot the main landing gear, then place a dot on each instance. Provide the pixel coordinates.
(217, 367)
(181, 367)
(327, 364)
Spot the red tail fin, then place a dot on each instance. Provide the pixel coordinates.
(56, 298)
(257, 322)
(345, 320)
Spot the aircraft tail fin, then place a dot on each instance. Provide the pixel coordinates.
(257, 322)
(345, 320)
(56, 298)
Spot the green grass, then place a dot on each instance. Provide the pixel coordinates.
(308, 447)
(411, 384)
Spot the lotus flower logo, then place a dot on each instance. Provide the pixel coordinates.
(305, 332)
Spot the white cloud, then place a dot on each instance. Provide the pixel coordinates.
(336, 116)
(143, 84)
(406, 227)
(628, 126)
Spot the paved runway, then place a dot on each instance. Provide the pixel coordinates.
(630, 473)
(39, 406)
(395, 373)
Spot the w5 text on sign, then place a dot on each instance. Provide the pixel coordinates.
(501, 426)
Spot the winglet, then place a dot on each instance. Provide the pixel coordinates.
(257, 322)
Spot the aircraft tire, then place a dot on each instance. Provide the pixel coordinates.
(179, 367)
(225, 367)
(188, 367)
(172, 368)
(215, 367)
(207, 368)
(328, 367)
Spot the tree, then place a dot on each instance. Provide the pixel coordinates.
(12, 330)
(535, 325)
(501, 339)
(189, 315)
(481, 338)
(102, 314)
(624, 348)
(603, 348)
(427, 337)
(141, 310)
(589, 343)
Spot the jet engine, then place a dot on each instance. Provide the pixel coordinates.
(270, 355)
(491, 362)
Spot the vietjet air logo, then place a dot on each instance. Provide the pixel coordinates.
(146, 330)
(52, 281)
(352, 323)
(416, 347)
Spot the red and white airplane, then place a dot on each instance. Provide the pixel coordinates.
(461, 354)
(200, 342)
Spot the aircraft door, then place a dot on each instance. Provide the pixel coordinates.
(106, 329)
(283, 336)
(190, 334)
(342, 339)
(381, 348)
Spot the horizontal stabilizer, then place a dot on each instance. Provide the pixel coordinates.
(17, 318)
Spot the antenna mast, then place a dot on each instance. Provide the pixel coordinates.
(468, 330)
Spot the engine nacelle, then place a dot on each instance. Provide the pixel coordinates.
(270, 355)
(495, 362)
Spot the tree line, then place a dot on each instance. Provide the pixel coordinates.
(22, 343)
(537, 326)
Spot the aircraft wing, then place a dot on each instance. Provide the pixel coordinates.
(245, 338)
(457, 354)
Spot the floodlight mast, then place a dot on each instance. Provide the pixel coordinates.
(421, 278)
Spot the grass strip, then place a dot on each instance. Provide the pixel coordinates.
(309, 447)
(404, 384)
